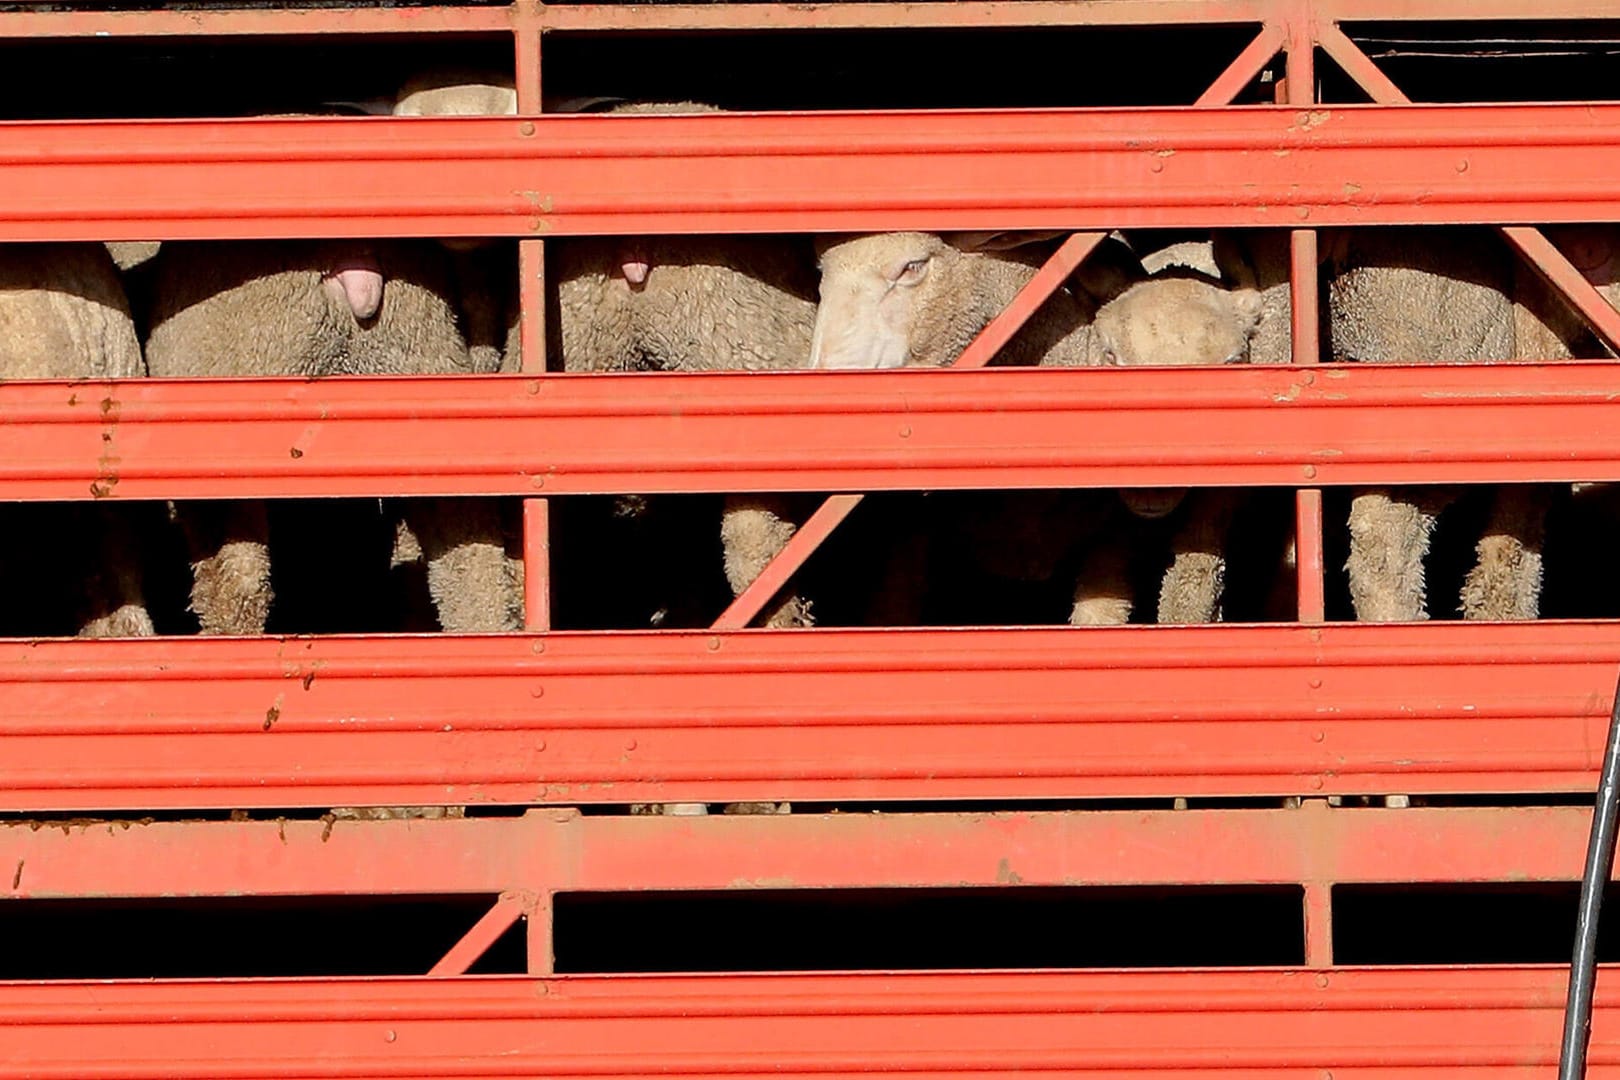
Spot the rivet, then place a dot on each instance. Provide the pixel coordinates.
(1302, 212)
(538, 647)
(1462, 166)
(534, 386)
(1322, 981)
(391, 1035)
(537, 481)
(1310, 472)
(1157, 166)
(1318, 736)
(537, 691)
(1316, 684)
(905, 431)
(714, 644)
(526, 128)
(629, 744)
(1316, 783)
(1309, 379)
(540, 744)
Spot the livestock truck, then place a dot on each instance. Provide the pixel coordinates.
(1310, 838)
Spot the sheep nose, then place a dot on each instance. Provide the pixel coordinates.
(359, 283)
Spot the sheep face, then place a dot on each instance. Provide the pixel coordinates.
(877, 293)
(1177, 322)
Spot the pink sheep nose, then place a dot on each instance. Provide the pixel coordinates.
(359, 283)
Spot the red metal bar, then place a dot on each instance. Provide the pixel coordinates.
(484, 933)
(820, 525)
(810, 431)
(562, 851)
(584, 174)
(1374, 1024)
(1319, 924)
(1309, 570)
(537, 564)
(830, 715)
(616, 18)
(1245, 68)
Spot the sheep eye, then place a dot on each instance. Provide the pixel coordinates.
(912, 272)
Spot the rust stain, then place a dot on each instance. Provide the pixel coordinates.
(295, 452)
(107, 464)
(1310, 120)
(16, 879)
(272, 714)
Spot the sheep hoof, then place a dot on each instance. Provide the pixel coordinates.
(749, 808)
(1101, 611)
(678, 809)
(129, 620)
(1191, 589)
(1505, 583)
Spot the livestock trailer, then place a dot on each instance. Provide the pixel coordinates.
(1289, 844)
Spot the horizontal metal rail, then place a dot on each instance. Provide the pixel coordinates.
(587, 174)
(833, 715)
(1375, 1024)
(619, 18)
(552, 851)
(809, 431)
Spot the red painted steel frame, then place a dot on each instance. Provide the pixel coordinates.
(809, 431)
(551, 851)
(828, 715)
(585, 174)
(1370, 1024)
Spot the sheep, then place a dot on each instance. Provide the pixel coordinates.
(64, 315)
(891, 300)
(1450, 297)
(316, 308)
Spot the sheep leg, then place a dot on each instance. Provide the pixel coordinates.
(476, 587)
(229, 546)
(113, 587)
(753, 530)
(1102, 596)
(1505, 582)
(487, 309)
(1389, 539)
(1190, 591)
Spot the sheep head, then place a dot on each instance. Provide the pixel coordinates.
(891, 300)
(1177, 321)
(445, 93)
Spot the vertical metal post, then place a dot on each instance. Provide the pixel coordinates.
(1318, 921)
(541, 953)
(532, 336)
(1299, 88)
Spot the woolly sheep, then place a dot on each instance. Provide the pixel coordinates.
(890, 300)
(64, 315)
(310, 309)
(1457, 296)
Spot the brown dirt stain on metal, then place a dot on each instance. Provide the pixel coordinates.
(16, 879)
(107, 464)
(271, 715)
(1006, 875)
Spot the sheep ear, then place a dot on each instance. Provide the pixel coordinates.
(1005, 240)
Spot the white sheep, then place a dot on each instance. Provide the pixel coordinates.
(315, 308)
(1438, 297)
(64, 315)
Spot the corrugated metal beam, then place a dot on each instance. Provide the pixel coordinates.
(809, 431)
(546, 852)
(830, 715)
(587, 174)
(1373, 1024)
